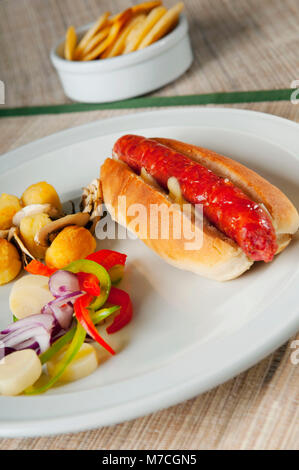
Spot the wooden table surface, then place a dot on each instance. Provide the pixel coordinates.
(238, 45)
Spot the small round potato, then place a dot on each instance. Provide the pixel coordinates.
(71, 243)
(18, 371)
(9, 205)
(41, 193)
(28, 295)
(10, 263)
(84, 363)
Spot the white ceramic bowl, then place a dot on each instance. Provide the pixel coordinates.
(129, 75)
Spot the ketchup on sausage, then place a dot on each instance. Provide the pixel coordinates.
(224, 205)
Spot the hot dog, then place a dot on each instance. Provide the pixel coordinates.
(225, 205)
(252, 219)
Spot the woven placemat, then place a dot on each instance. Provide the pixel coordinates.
(238, 45)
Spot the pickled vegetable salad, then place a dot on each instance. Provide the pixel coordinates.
(83, 296)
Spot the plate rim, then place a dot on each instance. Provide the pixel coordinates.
(161, 399)
(64, 133)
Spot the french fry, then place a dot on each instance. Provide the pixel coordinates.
(70, 43)
(99, 24)
(115, 28)
(95, 41)
(145, 6)
(119, 15)
(117, 47)
(152, 18)
(162, 27)
(132, 29)
(134, 33)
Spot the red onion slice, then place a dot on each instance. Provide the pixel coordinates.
(63, 315)
(62, 308)
(29, 344)
(63, 282)
(33, 331)
(38, 331)
(36, 334)
(47, 321)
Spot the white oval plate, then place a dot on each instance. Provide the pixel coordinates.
(188, 334)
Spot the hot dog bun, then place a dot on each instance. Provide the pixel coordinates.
(219, 258)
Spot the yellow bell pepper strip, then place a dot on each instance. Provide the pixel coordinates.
(71, 352)
(116, 273)
(122, 298)
(88, 266)
(83, 316)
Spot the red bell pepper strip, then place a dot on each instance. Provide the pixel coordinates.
(122, 298)
(108, 258)
(36, 267)
(84, 318)
(91, 267)
(89, 283)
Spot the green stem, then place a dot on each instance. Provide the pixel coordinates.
(252, 96)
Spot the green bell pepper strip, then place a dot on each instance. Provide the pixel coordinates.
(100, 315)
(88, 266)
(59, 344)
(71, 352)
(96, 317)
